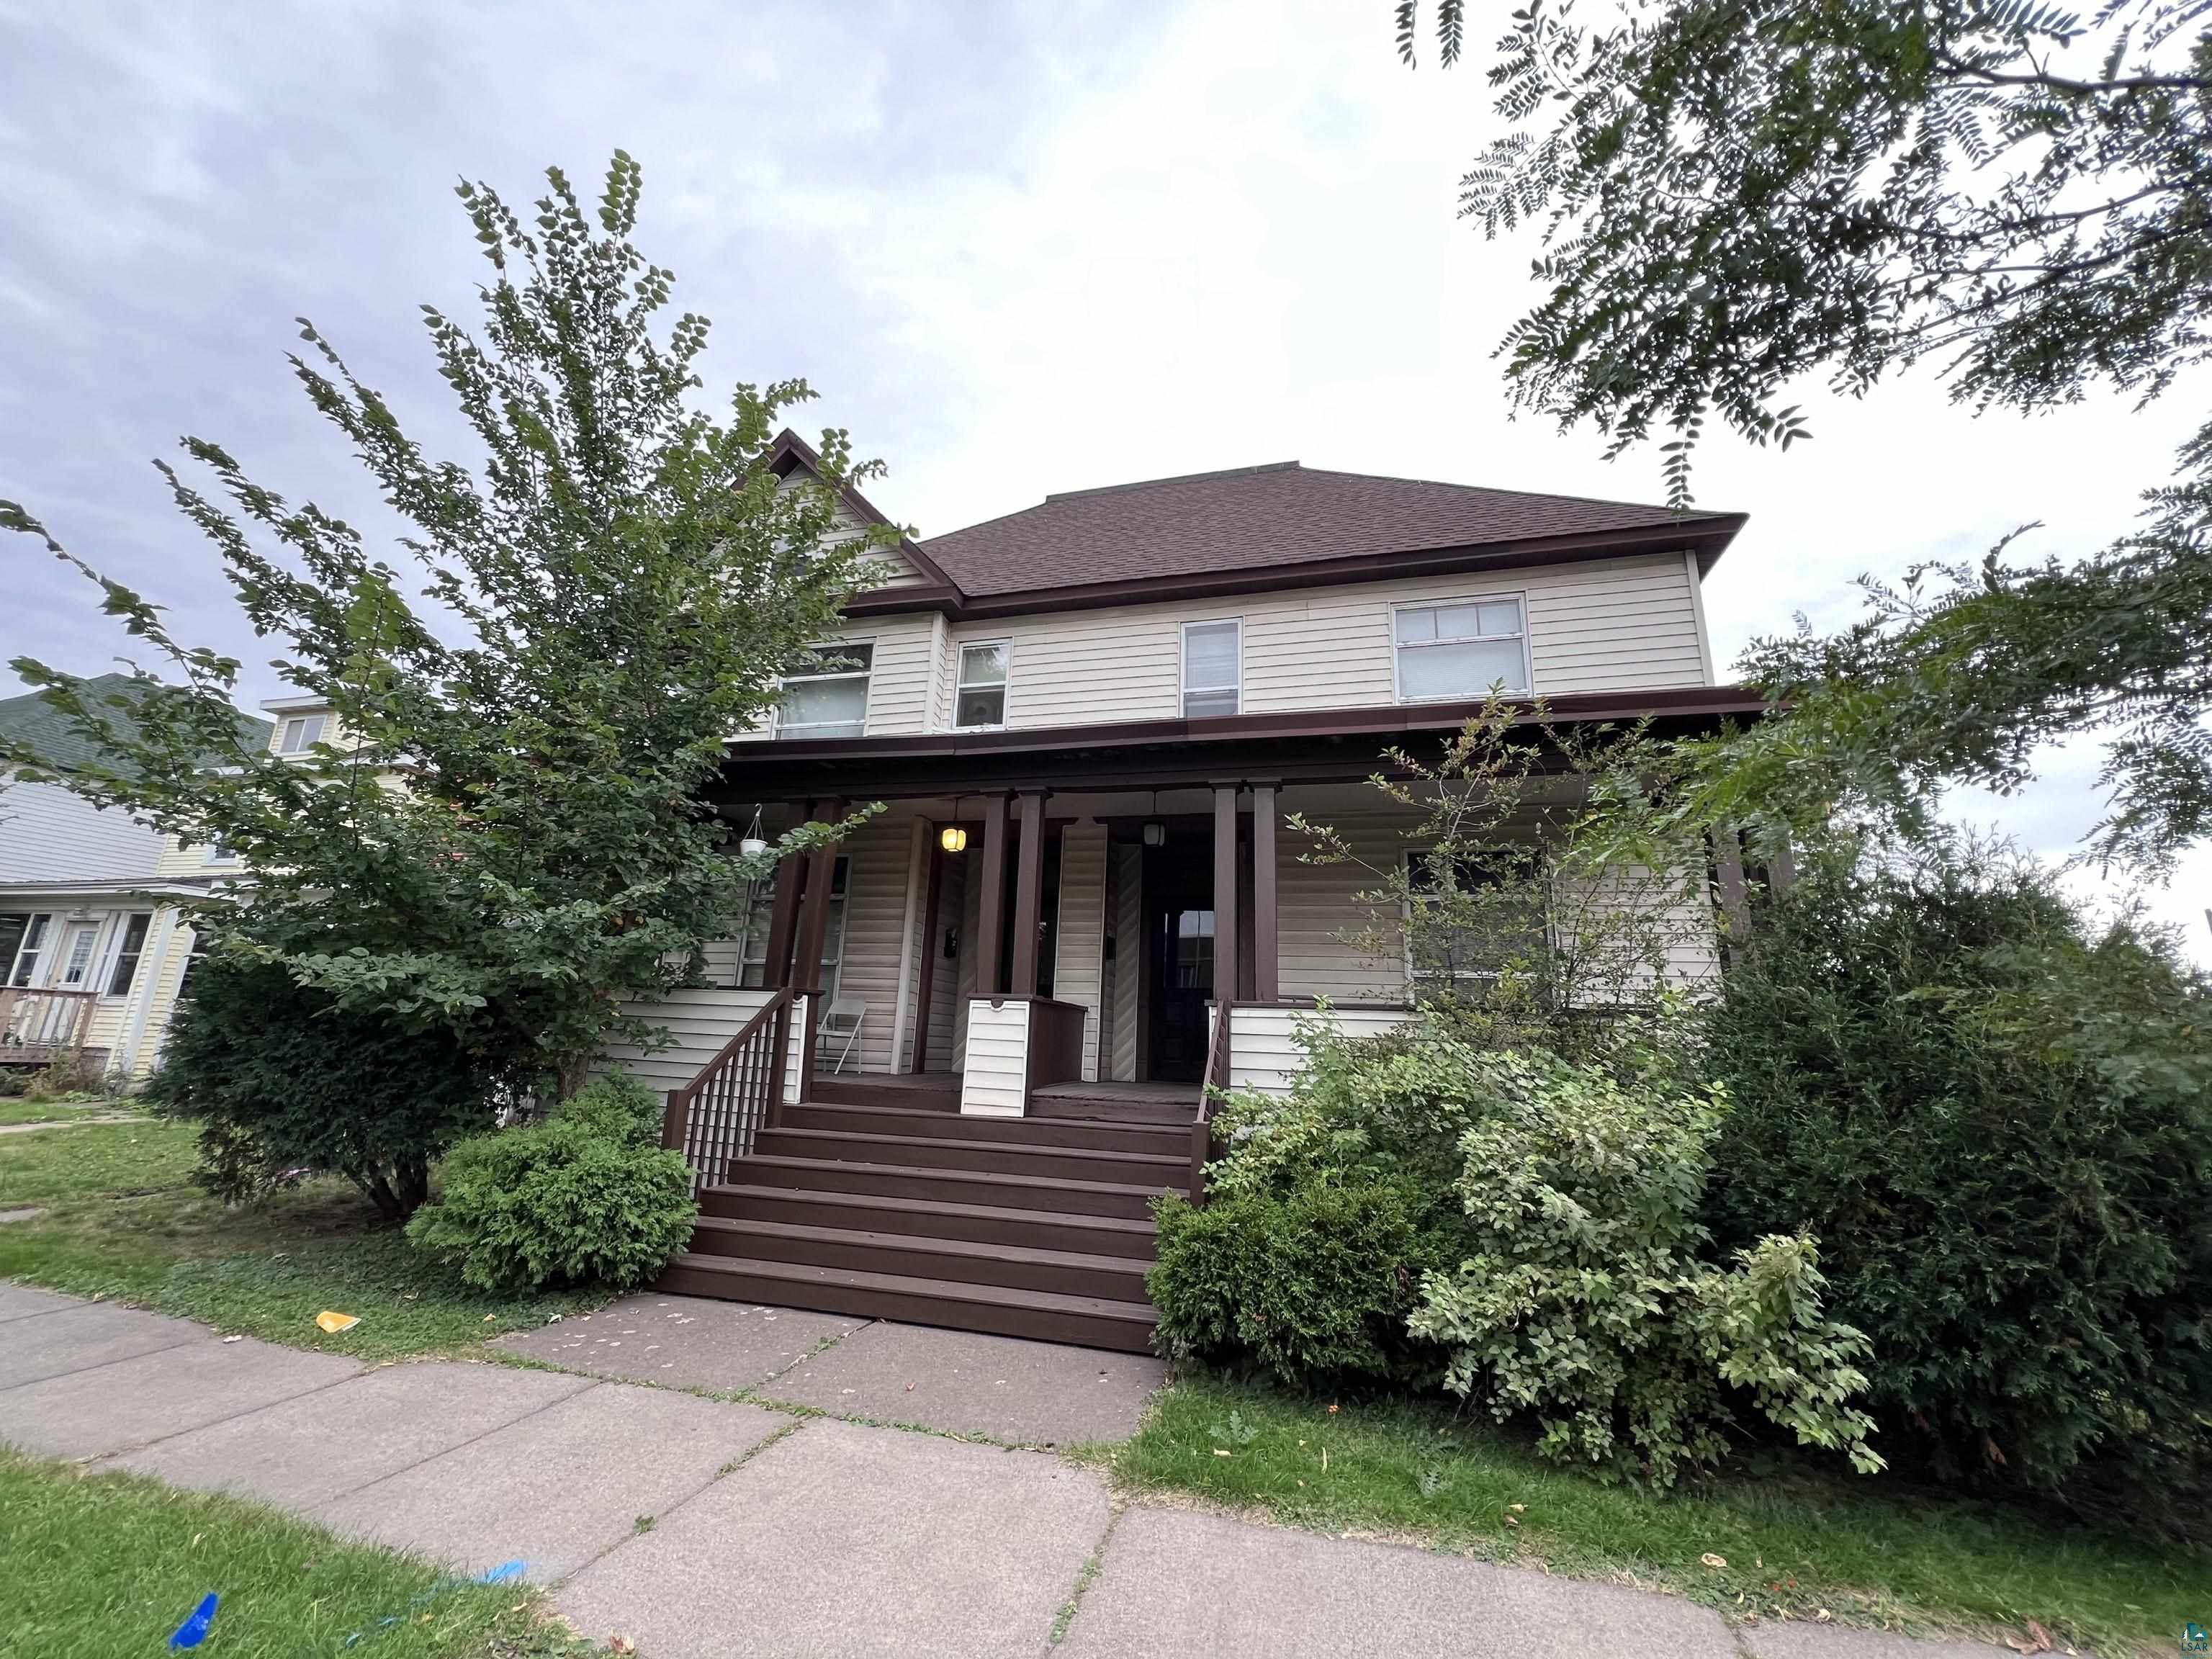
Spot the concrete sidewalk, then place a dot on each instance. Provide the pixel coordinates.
(775, 1531)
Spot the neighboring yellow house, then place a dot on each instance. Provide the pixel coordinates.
(94, 947)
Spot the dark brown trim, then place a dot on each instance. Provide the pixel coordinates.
(991, 903)
(1028, 894)
(1055, 1042)
(1706, 535)
(782, 922)
(1308, 746)
(1267, 960)
(790, 452)
(926, 979)
(814, 914)
(1226, 934)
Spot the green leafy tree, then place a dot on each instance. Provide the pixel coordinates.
(505, 836)
(1735, 197)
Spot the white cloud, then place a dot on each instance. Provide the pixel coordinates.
(1047, 248)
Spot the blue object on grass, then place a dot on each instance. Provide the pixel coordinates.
(194, 1630)
(504, 1571)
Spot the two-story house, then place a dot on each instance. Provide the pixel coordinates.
(95, 940)
(942, 1069)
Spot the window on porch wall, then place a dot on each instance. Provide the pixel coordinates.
(76, 965)
(753, 947)
(21, 932)
(1464, 926)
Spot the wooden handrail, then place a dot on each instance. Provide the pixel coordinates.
(28, 1018)
(714, 1118)
(1217, 1078)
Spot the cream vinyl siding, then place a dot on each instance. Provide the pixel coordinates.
(1080, 933)
(701, 1024)
(875, 912)
(947, 989)
(1315, 903)
(1128, 959)
(995, 1082)
(1607, 625)
(1265, 1052)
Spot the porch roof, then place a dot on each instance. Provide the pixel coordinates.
(1310, 745)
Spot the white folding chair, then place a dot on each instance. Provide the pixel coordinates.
(841, 1018)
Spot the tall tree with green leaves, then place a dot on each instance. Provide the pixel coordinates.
(1737, 195)
(504, 836)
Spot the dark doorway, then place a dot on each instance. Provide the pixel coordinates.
(1179, 953)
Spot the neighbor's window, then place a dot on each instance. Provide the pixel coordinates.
(982, 698)
(76, 965)
(752, 953)
(22, 937)
(1461, 650)
(827, 696)
(302, 733)
(1211, 669)
(125, 968)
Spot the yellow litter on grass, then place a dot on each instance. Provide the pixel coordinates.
(332, 1324)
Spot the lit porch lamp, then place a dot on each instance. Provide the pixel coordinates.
(952, 838)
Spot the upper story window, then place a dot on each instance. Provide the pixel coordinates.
(1212, 667)
(1460, 650)
(827, 696)
(302, 732)
(981, 700)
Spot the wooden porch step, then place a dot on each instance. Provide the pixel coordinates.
(1061, 1163)
(1023, 1192)
(1066, 1100)
(1164, 1140)
(1088, 1321)
(933, 1092)
(1029, 1267)
(981, 1224)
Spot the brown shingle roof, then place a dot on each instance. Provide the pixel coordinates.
(1258, 516)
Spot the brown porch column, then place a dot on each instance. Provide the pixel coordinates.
(814, 907)
(1225, 892)
(1266, 956)
(1029, 895)
(783, 915)
(990, 912)
(924, 990)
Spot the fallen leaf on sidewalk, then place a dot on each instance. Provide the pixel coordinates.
(2038, 1640)
(620, 1644)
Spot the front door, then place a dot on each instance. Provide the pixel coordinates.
(1180, 969)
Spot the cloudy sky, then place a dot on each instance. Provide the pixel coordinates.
(1061, 245)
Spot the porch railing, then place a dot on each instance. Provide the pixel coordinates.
(1217, 1077)
(37, 1024)
(713, 1119)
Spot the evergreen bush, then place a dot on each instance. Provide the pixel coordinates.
(1999, 1123)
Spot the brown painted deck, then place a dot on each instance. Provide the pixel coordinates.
(875, 1197)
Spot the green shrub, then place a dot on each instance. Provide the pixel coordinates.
(586, 1195)
(1583, 1297)
(2001, 1127)
(279, 1079)
(1313, 1284)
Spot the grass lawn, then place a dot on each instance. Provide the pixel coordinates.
(16, 1110)
(1867, 1549)
(107, 1564)
(120, 1217)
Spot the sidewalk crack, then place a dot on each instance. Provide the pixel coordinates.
(1085, 1577)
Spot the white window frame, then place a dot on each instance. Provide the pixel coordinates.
(866, 675)
(1519, 598)
(112, 958)
(1183, 687)
(960, 650)
(66, 960)
(38, 940)
(310, 726)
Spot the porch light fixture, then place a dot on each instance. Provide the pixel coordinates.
(952, 838)
(1156, 834)
(754, 844)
